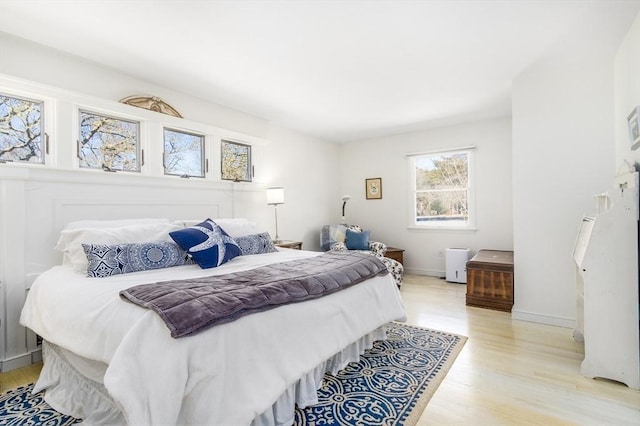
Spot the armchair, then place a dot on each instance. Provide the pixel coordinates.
(352, 237)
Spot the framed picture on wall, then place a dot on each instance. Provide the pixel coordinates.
(634, 127)
(373, 188)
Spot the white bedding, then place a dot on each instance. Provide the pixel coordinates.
(228, 374)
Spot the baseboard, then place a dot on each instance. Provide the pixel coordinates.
(543, 319)
(421, 271)
(21, 361)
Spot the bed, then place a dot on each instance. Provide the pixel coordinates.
(108, 361)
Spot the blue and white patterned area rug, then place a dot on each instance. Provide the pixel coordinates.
(390, 385)
(20, 407)
(392, 382)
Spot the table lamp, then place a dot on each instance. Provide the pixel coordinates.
(275, 196)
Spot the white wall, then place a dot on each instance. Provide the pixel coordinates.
(35, 62)
(563, 153)
(627, 92)
(388, 218)
(305, 166)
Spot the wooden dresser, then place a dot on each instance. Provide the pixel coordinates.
(490, 280)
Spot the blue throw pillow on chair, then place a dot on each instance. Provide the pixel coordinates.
(357, 240)
(207, 244)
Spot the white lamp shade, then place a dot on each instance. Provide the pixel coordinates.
(275, 195)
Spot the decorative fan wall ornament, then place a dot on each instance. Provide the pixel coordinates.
(152, 103)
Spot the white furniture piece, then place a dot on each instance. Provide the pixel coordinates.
(606, 257)
(456, 264)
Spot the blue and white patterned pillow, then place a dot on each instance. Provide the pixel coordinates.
(207, 244)
(255, 244)
(106, 260)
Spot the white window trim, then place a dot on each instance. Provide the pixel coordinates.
(47, 115)
(203, 150)
(471, 225)
(143, 138)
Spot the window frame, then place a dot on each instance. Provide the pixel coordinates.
(140, 160)
(46, 118)
(249, 170)
(470, 224)
(203, 158)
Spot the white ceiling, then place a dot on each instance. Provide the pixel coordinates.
(338, 70)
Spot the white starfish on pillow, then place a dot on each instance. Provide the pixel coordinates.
(214, 237)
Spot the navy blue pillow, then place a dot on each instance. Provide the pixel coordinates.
(357, 240)
(207, 244)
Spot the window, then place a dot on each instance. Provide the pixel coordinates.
(183, 153)
(109, 143)
(21, 130)
(236, 162)
(441, 189)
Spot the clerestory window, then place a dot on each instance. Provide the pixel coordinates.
(22, 137)
(183, 153)
(109, 143)
(236, 162)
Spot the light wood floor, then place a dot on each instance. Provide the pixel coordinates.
(509, 372)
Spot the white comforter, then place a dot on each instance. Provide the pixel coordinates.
(228, 374)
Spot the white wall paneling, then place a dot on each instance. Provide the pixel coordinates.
(12, 268)
(36, 203)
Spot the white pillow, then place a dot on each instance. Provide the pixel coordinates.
(234, 227)
(99, 224)
(71, 240)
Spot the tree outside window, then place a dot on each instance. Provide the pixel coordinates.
(183, 153)
(108, 143)
(236, 161)
(21, 130)
(441, 189)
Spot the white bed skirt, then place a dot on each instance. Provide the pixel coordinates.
(74, 385)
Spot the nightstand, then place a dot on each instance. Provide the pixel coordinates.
(296, 245)
(396, 254)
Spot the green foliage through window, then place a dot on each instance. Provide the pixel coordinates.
(442, 188)
(21, 130)
(109, 143)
